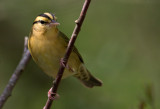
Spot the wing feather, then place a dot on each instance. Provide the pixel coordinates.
(74, 48)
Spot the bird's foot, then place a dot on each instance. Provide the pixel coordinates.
(62, 62)
(66, 66)
(50, 95)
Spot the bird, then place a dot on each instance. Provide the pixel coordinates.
(47, 45)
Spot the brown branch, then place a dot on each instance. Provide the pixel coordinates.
(142, 105)
(15, 76)
(68, 52)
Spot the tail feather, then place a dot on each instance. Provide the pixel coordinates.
(92, 82)
(86, 78)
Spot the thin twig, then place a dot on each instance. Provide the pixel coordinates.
(150, 95)
(68, 52)
(142, 105)
(15, 76)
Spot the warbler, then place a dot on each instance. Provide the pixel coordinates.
(47, 46)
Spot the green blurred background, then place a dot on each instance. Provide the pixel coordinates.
(119, 41)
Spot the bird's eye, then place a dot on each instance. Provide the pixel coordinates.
(42, 22)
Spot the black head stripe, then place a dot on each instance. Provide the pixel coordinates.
(53, 16)
(40, 21)
(35, 22)
(46, 16)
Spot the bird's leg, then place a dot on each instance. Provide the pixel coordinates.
(62, 62)
(69, 68)
(50, 95)
(66, 66)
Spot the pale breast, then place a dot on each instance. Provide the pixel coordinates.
(47, 55)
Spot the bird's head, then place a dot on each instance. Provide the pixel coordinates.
(45, 22)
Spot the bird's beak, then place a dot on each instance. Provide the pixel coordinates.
(53, 22)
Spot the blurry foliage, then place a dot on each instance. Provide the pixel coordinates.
(119, 42)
